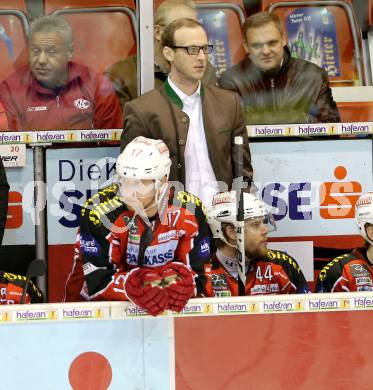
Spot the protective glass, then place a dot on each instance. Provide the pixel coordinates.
(130, 188)
(268, 221)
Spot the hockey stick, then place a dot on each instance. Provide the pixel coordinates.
(37, 267)
(238, 184)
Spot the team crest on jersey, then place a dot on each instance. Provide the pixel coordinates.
(82, 104)
(134, 229)
(220, 285)
(359, 270)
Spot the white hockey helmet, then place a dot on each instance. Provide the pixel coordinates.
(224, 210)
(144, 158)
(364, 213)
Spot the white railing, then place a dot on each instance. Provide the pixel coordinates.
(275, 304)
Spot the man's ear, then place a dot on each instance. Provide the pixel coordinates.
(168, 53)
(369, 230)
(231, 233)
(284, 39)
(71, 51)
(157, 32)
(246, 46)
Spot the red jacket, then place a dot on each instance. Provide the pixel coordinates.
(3, 119)
(86, 101)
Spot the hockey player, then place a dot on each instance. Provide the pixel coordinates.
(353, 271)
(269, 271)
(12, 288)
(139, 239)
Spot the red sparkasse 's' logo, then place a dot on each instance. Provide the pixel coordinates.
(82, 104)
(337, 199)
(15, 211)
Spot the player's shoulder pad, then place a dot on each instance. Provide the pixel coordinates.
(102, 195)
(103, 202)
(190, 202)
(281, 257)
(19, 280)
(336, 265)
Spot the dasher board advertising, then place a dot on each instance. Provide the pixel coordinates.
(312, 186)
(85, 355)
(20, 226)
(72, 177)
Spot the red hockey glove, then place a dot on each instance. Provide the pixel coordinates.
(178, 281)
(142, 287)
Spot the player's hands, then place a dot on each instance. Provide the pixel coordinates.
(155, 292)
(143, 288)
(178, 281)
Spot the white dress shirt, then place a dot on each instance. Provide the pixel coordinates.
(200, 178)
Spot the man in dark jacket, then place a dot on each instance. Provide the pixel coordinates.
(274, 87)
(4, 189)
(197, 122)
(53, 92)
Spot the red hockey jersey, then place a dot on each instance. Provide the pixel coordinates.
(349, 272)
(279, 273)
(111, 237)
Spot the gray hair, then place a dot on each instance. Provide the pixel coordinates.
(52, 23)
(166, 6)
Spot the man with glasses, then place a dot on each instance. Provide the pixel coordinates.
(123, 74)
(268, 271)
(275, 87)
(197, 122)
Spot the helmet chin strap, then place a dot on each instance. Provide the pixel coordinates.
(224, 239)
(160, 201)
(231, 245)
(161, 196)
(139, 209)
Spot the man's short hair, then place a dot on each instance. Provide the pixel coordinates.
(160, 15)
(52, 23)
(261, 19)
(168, 36)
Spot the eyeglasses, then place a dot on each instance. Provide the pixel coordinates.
(194, 50)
